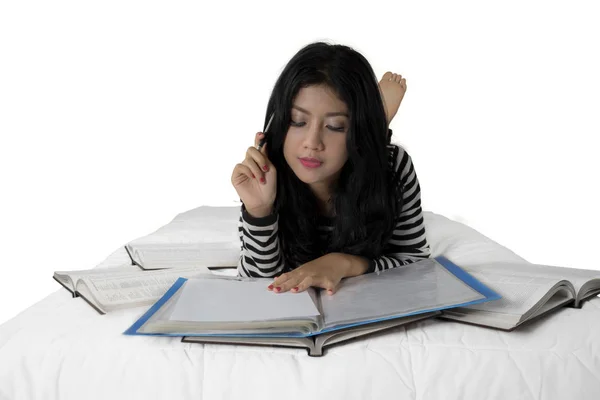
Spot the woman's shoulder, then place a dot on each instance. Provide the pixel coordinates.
(399, 161)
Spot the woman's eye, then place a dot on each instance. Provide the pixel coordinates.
(333, 128)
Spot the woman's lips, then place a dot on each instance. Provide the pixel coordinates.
(310, 163)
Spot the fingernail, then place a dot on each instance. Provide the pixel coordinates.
(265, 168)
(278, 289)
(262, 179)
(270, 287)
(253, 177)
(329, 292)
(295, 289)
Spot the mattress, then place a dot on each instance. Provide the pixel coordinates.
(61, 348)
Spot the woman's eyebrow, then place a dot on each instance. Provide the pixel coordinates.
(331, 114)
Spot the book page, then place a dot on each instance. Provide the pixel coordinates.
(504, 320)
(422, 286)
(578, 277)
(134, 288)
(328, 338)
(227, 300)
(65, 281)
(176, 255)
(71, 277)
(520, 291)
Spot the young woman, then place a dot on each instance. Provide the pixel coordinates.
(328, 196)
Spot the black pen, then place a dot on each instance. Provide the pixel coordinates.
(264, 138)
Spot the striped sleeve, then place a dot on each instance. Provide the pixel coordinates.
(408, 242)
(260, 255)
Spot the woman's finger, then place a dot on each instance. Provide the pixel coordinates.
(262, 150)
(254, 168)
(286, 281)
(302, 286)
(257, 138)
(241, 172)
(288, 285)
(260, 158)
(329, 285)
(281, 279)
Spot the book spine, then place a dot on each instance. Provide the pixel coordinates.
(316, 352)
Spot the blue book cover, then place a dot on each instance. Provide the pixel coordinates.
(433, 281)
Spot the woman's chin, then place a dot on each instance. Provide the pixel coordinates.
(307, 178)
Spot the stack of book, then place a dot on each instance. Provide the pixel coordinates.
(197, 295)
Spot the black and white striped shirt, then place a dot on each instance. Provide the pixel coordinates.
(261, 254)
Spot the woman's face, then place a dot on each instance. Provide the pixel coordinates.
(318, 130)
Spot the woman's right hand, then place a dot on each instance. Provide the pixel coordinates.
(256, 186)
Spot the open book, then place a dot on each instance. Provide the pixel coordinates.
(528, 291)
(176, 255)
(242, 310)
(107, 289)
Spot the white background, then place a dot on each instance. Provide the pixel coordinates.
(117, 115)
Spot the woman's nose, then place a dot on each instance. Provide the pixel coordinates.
(313, 138)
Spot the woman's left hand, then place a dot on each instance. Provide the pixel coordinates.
(325, 272)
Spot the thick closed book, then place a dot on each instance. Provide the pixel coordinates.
(153, 256)
(239, 310)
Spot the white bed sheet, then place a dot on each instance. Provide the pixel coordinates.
(61, 348)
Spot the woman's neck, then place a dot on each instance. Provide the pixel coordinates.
(323, 196)
(325, 208)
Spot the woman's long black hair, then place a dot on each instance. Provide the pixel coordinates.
(365, 202)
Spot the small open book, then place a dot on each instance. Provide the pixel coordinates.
(158, 255)
(528, 291)
(126, 286)
(240, 310)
